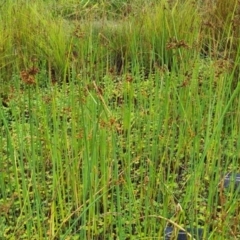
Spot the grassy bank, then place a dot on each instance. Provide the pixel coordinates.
(118, 119)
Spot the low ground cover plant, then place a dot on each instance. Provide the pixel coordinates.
(119, 119)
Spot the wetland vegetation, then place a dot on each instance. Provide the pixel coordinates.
(119, 119)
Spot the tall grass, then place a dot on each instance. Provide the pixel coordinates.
(116, 129)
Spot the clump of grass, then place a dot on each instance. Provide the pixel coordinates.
(220, 33)
(220, 21)
(29, 35)
(165, 31)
